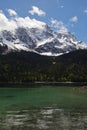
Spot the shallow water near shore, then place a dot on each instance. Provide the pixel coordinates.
(46, 118)
(49, 108)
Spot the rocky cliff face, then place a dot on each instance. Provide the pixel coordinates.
(40, 39)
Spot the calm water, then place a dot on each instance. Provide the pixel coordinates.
(49, 108)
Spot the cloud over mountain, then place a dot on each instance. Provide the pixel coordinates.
(12, 12)
(85, 11)
(58, 25)
(74, 19)
(6, 23)
(12, 23)
(36, 10)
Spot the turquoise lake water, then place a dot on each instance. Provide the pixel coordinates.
(40, 108)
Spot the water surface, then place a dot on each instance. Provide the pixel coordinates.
(40, 108)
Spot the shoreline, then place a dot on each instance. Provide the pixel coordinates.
(42, 84)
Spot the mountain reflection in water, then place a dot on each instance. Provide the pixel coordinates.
(44, 119)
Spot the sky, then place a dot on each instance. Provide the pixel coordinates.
(67, 15)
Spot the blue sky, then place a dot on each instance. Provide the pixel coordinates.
(70, 15)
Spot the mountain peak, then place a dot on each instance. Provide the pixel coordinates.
(37, 36)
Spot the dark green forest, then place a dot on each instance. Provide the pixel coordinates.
(26, 67)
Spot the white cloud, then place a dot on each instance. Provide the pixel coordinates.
(61, 6)
(6, 23)
(85, 11)
(74, 19)
(1, 11)
(13, 22)
(12, 12)
(30, 23)
(36, 10)
(58, 25)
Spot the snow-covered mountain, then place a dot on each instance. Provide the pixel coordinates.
(40, 38)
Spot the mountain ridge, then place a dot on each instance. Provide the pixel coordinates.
(39, 38)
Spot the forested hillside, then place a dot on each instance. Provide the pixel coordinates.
(25, 67)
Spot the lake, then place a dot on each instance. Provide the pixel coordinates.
(43, 108)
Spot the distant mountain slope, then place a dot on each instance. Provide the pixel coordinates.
(38, 37)
(30, 67)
